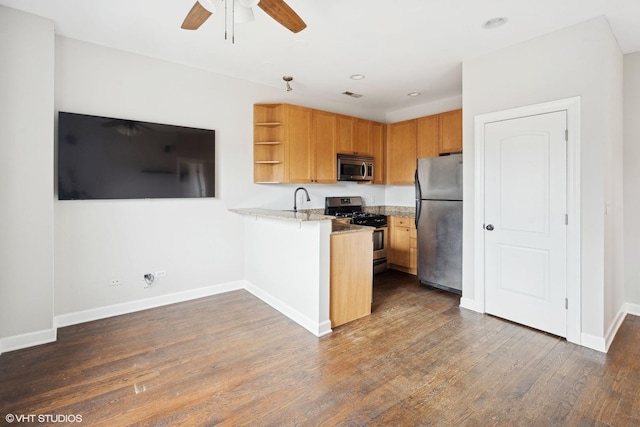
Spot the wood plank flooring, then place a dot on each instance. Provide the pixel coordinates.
(231, 360)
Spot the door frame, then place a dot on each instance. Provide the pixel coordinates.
(572, 107)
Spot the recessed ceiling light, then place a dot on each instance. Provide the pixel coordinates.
(494, 23)
(413, 94)
(356, 76)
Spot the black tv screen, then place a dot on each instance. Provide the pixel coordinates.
(109, 158)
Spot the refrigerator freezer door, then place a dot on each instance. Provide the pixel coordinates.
(440, 244)
(439, 178)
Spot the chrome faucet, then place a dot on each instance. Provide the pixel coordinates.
(295, 197)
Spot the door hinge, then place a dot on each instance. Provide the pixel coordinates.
(566, 303)
(566, 135)
(566, 219)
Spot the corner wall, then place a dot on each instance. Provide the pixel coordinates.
(632, 180)
(26, 179)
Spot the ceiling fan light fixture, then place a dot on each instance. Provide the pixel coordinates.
(242, 14)
(208, 4)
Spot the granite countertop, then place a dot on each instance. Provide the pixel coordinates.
(318, 214)
(402, 211)
(340, 228)
(285, 215)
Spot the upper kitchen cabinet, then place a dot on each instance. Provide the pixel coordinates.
(362, 137)
(324, 147)
(401, 152)
(450, 140)
(282, 150)
(268, 143)
(293, 144)
(344, 133)
(353, 135)
(299, 144)
(428, 134)
(378, 151)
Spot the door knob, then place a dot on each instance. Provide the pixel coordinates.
(489, 227)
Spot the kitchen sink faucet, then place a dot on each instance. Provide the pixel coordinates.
(295, 197)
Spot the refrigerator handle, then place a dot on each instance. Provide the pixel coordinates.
(418, 198)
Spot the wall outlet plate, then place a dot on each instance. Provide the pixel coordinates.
(115, 282)
(161, 273)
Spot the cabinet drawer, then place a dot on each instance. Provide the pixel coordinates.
(400, 221)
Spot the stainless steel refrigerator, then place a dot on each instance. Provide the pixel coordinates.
(438, 182)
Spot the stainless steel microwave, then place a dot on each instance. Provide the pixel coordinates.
(355, 168)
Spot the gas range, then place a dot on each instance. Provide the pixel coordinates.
(351, 207)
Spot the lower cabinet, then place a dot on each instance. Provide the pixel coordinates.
(351, 276)
(402, 253)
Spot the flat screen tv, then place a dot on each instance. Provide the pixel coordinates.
(109, 158)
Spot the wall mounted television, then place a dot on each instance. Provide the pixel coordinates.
(110, 158)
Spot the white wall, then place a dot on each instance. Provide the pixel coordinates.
(26, 179)
(287, 266)
(632, 178)
(582, 60)
(198, 242)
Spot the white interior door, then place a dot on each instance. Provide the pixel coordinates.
(525, 228)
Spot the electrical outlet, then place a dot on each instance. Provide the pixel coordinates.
(115, 282)
(161, 273)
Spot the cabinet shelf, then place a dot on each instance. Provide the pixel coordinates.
(268, 143)
(268, 162)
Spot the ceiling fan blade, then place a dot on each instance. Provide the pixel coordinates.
(196, 17)
(281, 12)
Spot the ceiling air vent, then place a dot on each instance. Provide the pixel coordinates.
(351, 94)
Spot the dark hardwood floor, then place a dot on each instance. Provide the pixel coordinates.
(232, 360)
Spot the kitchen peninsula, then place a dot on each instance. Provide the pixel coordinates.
(288, 262)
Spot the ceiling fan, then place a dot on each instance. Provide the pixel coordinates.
(277, 9)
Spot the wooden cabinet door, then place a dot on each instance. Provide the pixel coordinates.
(378, 152)
(400, 246)
(351, 277)
(344, 134)
(324, 146)
(427, 136)
(401, 152)
(298, 140)
(451, 132)
(362, 137)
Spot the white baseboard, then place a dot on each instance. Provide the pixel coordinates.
(144, 304)
(316, 328)
(593, 342)
(633, 309)
(613, 329)
(470, 304)
(602, 344)
(18, 342)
